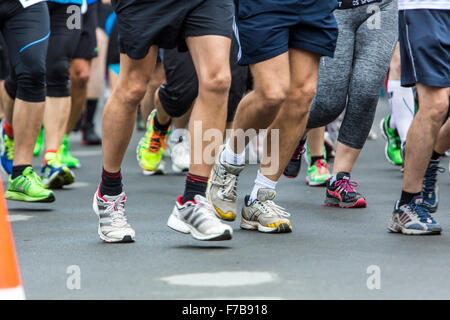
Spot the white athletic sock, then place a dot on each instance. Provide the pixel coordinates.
(261, 182)
(401, 100)
(230, 157)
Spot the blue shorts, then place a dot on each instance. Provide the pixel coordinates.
(269, 28)
(424, 36)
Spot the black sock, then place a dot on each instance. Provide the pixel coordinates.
(91, 107)
(17, 170)
(111, 183)
(161, 127)
(195, 185)
(406, 197)
(435, 155)
(314, 159)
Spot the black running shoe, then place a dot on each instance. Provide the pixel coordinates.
(90, 137)
(340, 193)
(293, 167)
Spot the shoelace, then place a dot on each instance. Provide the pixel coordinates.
(155, 142)
(229, 185)
(347, 185)
(431, 177)
(422, 211)
(116, 209)
(321, 165)
(298, 152)
(206, 209)
(270, 207)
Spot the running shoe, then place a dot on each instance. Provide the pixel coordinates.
(112, 221)
(28, 187)
(149, 149)
(8, 151)
(340, 193)
(392, 150)
(199, 219)
(55, 175)
(222, 188)
(318, 174)
(293, 167)
(430, 187)
(180, 152)
(264, 215)
(413, 218)
(90, 137)
(65, 156)
(39, 146)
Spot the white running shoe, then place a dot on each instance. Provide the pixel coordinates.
(180, 151)
(199, 219)
(113, 225)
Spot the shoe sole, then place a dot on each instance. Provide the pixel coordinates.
(315, 184)
(332, 202)
(103, 237)
(396, 228)
(180, 226)
(255, 225)
(18, 196)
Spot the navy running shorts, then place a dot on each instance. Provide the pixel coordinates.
(269, 28)
(424, 36)
(166, 24)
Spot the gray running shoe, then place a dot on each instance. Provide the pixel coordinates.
(113, 225)
(199, 219)
(222, 188)
(264, 215)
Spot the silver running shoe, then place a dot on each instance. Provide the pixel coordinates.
(199, 219)
(113, 225)
(264, 215)
(222, 188)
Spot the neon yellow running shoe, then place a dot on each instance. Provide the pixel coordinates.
(28, 187)
(150, 148)
(65, 156)
(39, 146)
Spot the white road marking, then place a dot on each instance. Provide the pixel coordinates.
(78, 184)
(221, 279)
(18, 217)
(86, 153)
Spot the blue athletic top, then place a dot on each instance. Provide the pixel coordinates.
(91, 1)
(80, 2)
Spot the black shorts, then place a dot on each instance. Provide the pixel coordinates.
(4, 61)
(166, 24)
(87, 46)
(103, 12)
(180, 89)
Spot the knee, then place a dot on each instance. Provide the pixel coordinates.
(437, 110)
(217, 82)
(300, 99)
(132, 91)
(272, 98)
(58, 79)
(31, 84)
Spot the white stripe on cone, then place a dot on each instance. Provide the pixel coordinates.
(16, 293)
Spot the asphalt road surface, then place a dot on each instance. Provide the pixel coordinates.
(331, 253)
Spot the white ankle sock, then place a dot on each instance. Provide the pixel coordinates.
(402, 106)
(230, 157)
(261, 182)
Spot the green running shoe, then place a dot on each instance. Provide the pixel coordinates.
(149, 149)
(392, 150)
(39, 146)
(64, 154)
(317, 173)
(55, 175)
(28, 187)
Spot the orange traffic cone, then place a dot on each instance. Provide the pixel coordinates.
(10, 284)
